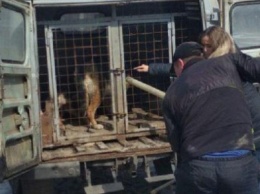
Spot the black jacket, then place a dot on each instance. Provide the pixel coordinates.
(252, 97)
(205, 109)
(159, 69)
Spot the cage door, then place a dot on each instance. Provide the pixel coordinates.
(79, 81)
(144, 42)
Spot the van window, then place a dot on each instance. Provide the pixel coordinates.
(12, 36)
(245, 25)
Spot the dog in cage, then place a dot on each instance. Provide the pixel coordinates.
(84, 96)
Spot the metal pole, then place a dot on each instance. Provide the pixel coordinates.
(158, 93)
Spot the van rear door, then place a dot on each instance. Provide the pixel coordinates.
(242, 19)
(19, 104)
(209, 13)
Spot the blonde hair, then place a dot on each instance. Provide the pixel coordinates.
(222, 42)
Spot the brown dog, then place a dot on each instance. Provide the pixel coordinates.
(87, 95)
(90, 83)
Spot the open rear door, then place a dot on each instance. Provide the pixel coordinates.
(210, 13)
(242, 19)
(19, 104)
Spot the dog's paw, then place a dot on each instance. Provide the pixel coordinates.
(98, 126)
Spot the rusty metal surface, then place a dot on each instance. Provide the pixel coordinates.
(47, 124)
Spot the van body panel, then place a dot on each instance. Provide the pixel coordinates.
(241, 20)
(20, 128)
(44, 112)
(115, 36)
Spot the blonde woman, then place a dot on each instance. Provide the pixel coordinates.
(217, 42)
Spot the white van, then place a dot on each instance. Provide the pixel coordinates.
(44, 48)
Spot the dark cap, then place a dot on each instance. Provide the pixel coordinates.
(187, 49)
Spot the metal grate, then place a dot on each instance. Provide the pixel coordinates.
(144, 40)
(75, 55)
(145, 43)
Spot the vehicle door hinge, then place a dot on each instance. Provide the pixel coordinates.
(117, 71)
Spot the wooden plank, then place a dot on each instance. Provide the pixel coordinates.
(139, 111)
(154, 116)
(83, 147)
(124, 143)
(82, 156)
(80, 148)
(141, 124)
(101, 145)
(141, 114)
(105, 137)
(115, 148)
(147, 141)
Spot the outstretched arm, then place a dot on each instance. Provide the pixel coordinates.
(142, 68)
(247, 66)
(155, 68)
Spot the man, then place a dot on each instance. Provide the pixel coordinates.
(208, 122)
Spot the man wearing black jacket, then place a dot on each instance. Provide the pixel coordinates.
(209, 124)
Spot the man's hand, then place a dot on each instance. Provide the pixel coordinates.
(142, 68)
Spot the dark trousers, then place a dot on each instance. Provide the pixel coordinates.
(5, 188)
(236, 176)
